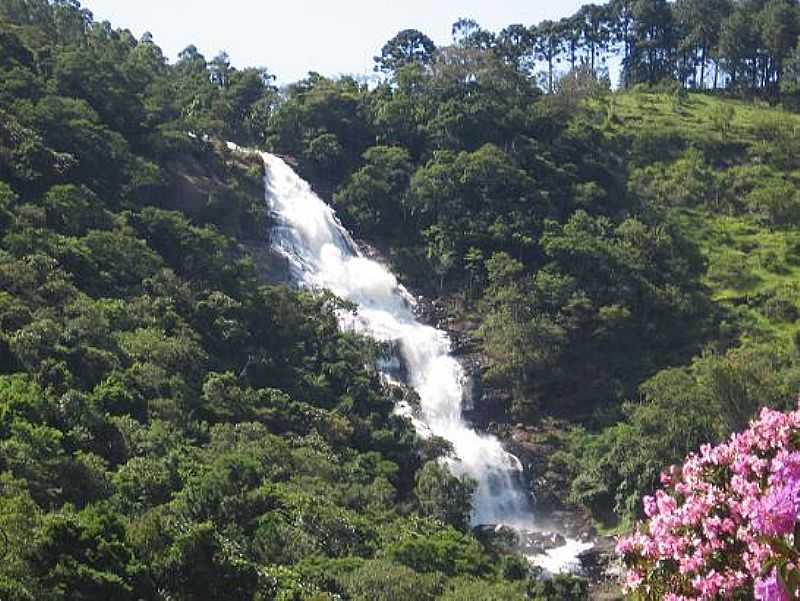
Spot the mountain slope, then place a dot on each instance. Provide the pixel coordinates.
(171, 425)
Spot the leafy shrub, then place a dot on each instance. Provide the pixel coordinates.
(724, 524)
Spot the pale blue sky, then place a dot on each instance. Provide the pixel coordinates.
(292, 37)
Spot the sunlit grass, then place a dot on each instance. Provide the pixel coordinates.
(752, 270)
(695, 116)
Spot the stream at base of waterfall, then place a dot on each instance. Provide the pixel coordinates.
(321, 254)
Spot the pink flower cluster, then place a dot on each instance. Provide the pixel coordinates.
(724, 524)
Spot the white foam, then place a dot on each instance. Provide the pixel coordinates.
(563, 559)
(322, 254)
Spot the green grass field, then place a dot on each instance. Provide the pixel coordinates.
(753, 266)
(696, 117)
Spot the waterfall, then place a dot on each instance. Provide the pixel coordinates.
(322, 255)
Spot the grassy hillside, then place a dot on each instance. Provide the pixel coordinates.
(753, 271)
(724, 172)
(729, 178)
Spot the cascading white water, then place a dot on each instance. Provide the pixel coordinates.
(321, 254)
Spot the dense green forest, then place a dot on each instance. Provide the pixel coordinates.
(170, 426)
(173, 426)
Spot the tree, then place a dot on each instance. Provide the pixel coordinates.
(468, 33)
(190, 59)
(515, 44)
(440, 253)
(373, 197)
(739, 44)
(82, 556)
(407, 47)
(701, 22)
(779, 23)
(219, 69)
(443, 496)
(251, 97)
(548, 48)
(622, 22)
(198, 101)
(570, 28)
(7, 199)
(652, 55)
(380, 580)
(790, 80)
(480, 590)
(593, 23)
(72, 210)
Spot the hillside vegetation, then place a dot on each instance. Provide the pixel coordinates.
(724, 173)
(629, 256)
(172, 426)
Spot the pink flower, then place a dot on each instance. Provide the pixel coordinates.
(770, 588)
(776, 513)
(712, 516)
(625, 545)
(785, 467)
(650, 507)
(633, 580)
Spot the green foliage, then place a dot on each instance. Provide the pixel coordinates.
(604, 287)
(681, 409)
(483, 591)
(443, 496)
(170, 425)
(686, 182)
(323, 124)
(82, 556)
(386, 581)
(561, 587)
(371, 199)
(407, 47)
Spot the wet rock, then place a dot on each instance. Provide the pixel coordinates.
(463, 345)
(271, 266)
(429, 311)
(393, 362)
(603, 569)
(498, 537)
(539, 543)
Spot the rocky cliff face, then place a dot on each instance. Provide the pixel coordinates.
(189, 184)
(271, 266)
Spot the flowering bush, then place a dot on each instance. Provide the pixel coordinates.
(725, 524)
